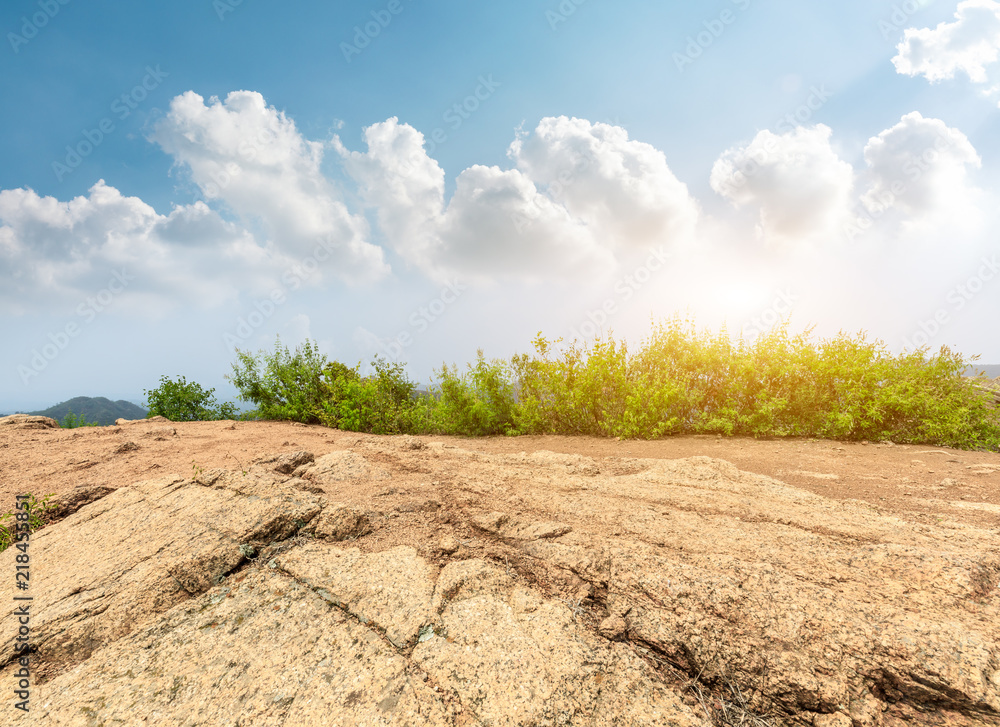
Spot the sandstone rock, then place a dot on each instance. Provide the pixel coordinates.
(286, 464)
(340, 522)
(818, 611)
(448, 545)
(264, 650)
(613, 627)
(837, 719)
(518, 659)
(27, 421)
(506, 526)
(138, 551)
(343, 466)
(69, 502)
(151, 420)
(390, 590)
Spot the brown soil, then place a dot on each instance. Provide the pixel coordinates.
(918, 483)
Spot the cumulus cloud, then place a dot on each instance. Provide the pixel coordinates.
(619, 186)
(62, 251)
(920, 167)
(970, 44)
(800, 186)
(580, 195)
(252, 158)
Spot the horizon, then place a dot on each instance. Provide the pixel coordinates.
(422, 182)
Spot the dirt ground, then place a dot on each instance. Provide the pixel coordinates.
(918, 483)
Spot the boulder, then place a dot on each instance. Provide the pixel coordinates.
(27, 421)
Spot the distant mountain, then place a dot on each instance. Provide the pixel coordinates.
(95, 409)
(990, 370)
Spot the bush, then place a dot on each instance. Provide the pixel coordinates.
(71, 421)
(679, 380)
(478, 403)
(685, 381)
(304, 387)
(284, 386)
(383, 403)
(181, 401)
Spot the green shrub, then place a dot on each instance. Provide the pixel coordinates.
(183, 401)
(71, 421)
(284, 386)
(678, 380)
(36, 510)
(383, 403)
(303, 386)
(681, 380)
(479, 402)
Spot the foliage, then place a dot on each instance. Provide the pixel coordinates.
(383, 403)
(36, 509)
(677, 381)
(284, 386)
(183, 401)
(71, 421)
(477, 403)
(685, 381)
(303, 386)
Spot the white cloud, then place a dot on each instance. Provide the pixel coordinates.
(252, 158)
(920, 167)
(582, 196)
(63, 251)
(970, 44)
(800, 185)
(621, 187)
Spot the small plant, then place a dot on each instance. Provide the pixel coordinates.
(71, 421)
(37, 511)
(197, 469)
(242, 468)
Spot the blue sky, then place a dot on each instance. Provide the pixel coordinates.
(420, 180)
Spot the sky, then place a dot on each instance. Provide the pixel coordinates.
(422, 180)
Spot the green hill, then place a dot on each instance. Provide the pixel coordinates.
(95, 409)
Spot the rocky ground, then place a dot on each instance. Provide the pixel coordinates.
(243, 573)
